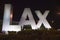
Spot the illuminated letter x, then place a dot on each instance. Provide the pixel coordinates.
(42, 19)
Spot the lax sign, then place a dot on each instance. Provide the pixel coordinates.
(27, 12)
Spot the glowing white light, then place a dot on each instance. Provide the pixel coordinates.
(6, 21)
(27, 12)
(42, 19)
(31, 21)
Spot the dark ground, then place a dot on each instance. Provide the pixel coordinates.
(32, 35)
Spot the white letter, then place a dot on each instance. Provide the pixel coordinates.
(6, 21)
(42, 19)
(23, 21)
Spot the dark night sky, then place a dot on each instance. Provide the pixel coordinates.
(42, 5)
